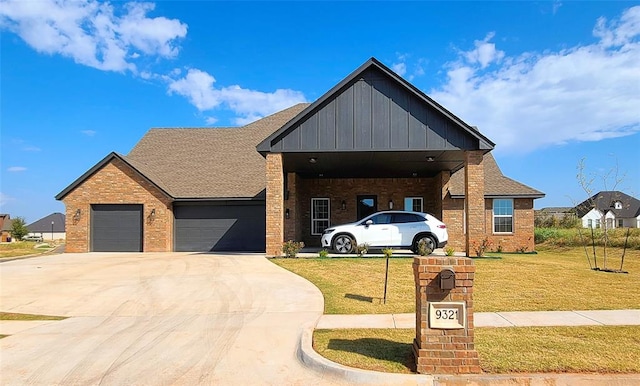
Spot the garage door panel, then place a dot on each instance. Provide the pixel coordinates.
(116, 228)
(206, 228)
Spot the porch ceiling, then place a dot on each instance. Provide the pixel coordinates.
(373, 164)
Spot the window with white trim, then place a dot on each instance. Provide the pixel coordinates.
(319, 215)
(597, 223)
(413, 204)
(503, 215)
(590, 223)
(620, 223)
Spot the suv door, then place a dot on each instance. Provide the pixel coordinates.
(378, 233)
(404, 227)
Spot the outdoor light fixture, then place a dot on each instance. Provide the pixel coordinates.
(286, 213)
(390, 204)
(313, 160)
(76, 216)
(343, 205)
(430, 159)
(414, 174)
(152, 214)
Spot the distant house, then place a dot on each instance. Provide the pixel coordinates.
(619, 210)
(5, 227)
(51, 227)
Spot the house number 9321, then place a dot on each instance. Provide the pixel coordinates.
(447, 314)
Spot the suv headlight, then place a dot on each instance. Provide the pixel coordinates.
(328, 231)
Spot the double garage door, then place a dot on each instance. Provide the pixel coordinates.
(219, 227)
(198, 227)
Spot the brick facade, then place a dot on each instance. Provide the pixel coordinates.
(444, 351)
(474, 193)
(117, 183)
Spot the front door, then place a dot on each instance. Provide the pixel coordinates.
(367, 205)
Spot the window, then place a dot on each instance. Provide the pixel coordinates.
(598, 223)
(413, 204)
(620, 223)
(617, 205)
(399, 218)
(503, 216)
(590, 223)
(319, 215)
(382, 218)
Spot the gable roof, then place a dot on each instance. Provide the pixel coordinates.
(451, 133)
(604, 201)
(110, 157)
(44, 224)
(496, 184)
(201, 163)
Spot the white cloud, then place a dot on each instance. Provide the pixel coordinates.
(16, 169)
(5, 199)
(249, 105)
(211, 120)
(89, 133)
(584, 93)
(399, 68)
(93, 33)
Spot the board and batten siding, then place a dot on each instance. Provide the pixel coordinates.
(375, 113)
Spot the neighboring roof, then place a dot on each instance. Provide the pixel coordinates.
(495, 183)
(44, 224)
(7, 224)
(604, 202)
(274, 141)
(204, 163)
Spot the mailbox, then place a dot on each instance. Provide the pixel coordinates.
(447, 279)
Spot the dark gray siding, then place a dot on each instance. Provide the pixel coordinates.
(374, 112)
(228, 226)
(116, 228)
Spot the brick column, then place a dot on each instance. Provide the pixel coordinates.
(474, 198)
(291, 224)
(442, 184)
(275, 205)
(444, 351)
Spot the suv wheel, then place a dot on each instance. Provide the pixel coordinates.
(343, 244)
(430, 244)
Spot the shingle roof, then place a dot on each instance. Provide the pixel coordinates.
(604, 201)
(44, 224)
(198, 163)
(495, 183)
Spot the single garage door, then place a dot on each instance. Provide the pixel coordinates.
(116, 228)
(225, 226)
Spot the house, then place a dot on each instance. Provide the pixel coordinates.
(372, 142)
(616, 209)
(51, 227)
(5, 227)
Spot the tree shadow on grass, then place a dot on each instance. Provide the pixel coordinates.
(381, 349)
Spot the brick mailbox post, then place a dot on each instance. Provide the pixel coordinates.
(444, 316)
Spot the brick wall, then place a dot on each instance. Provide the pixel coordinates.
(523, 227)
(117, 183)
(444, 351)
(347, 190)
(474, 194)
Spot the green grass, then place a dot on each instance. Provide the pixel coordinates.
(574, 237)
(17, 316)
(501, 350)
(552, 279)
(20, 248)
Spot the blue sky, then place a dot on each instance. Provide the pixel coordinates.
(549, 82)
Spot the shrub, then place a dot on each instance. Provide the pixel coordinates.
(449, 251)
(481, 247)
(362, 249)
(423, 248)
(291, 248)
(323, 254)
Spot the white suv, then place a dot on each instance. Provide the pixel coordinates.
(395, 229)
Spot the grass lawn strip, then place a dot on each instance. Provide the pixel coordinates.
(17, 316)
(503, 282)
(584, 349)
(22, 248)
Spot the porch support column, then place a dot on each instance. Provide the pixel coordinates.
(275, 205)
(291, 227)
(474, 197)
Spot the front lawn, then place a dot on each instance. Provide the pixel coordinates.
(22, 248)
(552, 279)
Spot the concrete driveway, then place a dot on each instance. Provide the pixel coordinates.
(157, 319)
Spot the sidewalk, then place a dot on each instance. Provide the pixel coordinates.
(492, 319)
